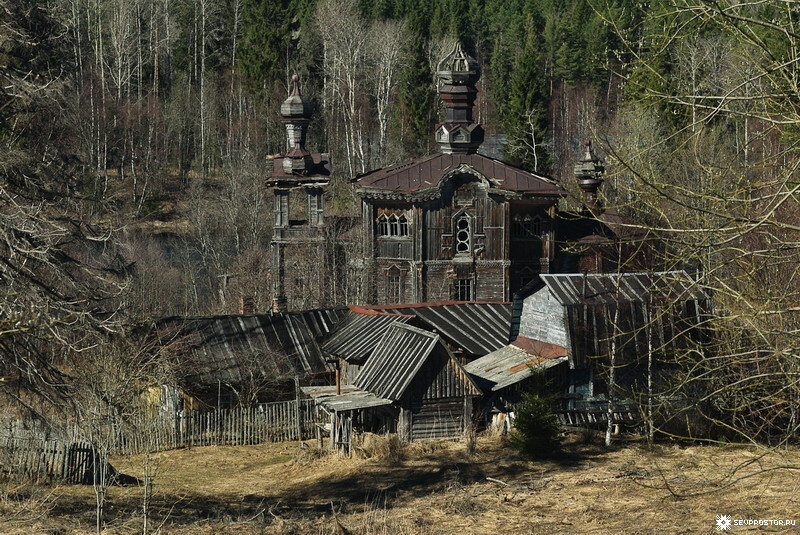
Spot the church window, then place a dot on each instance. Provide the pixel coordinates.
(394, 287)
(463, 234)
(393, 224)
(464, 290)
(403, 223)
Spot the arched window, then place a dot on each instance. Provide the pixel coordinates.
(393, 226)
(383, 225)
(403, 222)
(463, 234)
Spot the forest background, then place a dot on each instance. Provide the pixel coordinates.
(167, 111)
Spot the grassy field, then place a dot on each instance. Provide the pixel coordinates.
(436, 487)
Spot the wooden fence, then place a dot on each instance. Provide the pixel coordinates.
(30, 449)
(47, 459)
(268, 422)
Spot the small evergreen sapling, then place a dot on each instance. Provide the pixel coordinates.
(537, 430)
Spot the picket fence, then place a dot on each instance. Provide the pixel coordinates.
(29, 449)
(268, 422)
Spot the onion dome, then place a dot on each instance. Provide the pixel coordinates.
(589, 174)
(295, 107)
(458, 67)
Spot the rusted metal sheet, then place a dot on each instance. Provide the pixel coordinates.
(358, 332)
(477, 328)
(515, 362)
(428, 171)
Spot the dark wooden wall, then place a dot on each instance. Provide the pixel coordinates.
(497, 262)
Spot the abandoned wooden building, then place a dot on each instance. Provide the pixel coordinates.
(577, 328)
(411, 384)
(457, 260)
(225, 361)
(454, 225)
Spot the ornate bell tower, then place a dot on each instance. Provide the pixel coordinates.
(458, 134)
(299, 179)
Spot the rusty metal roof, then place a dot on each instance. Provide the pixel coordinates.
(396, 360)
(427, 173)
(610, 288)
(515, 362)
(358, 332)
(476, 327)
(232, 349)
(320, 167)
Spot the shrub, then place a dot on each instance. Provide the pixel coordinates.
(537, 431)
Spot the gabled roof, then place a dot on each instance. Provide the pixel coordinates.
(396, 360)
(425, 174)
(232, 349)
(610, 288)
(515, 362)
(476, 327)
(358, 332)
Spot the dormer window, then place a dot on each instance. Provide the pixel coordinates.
(463, 234)
(393, 224)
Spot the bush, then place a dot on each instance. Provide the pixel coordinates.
(537, 431)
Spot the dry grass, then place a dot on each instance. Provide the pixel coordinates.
(437, 488)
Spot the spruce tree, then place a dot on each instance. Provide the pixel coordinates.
(416, 90)
(525, 117)
(265, 37)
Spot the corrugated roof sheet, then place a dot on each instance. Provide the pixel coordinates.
(358, 332)
(515, 362)
(595, 289)
(232, 349)
(427, 172)
(396, 360)
(477, 328)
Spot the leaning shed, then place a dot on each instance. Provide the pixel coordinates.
(632, 318)
(508, 372)
(222, 358)
(410, 384)
(414, 369)
(471, 329)
(356, 336)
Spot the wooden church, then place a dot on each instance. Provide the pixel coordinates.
(450, 226)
